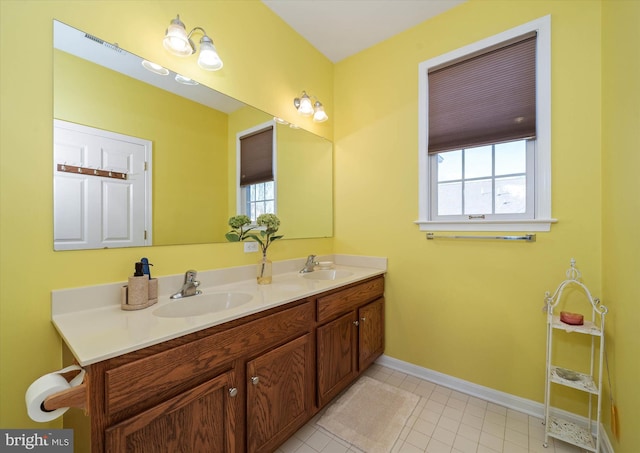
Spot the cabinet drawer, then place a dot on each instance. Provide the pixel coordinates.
(349, 299)
(159, 376)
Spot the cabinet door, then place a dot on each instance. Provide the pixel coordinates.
(279, 396)
(371, 339)
(337, 367)
(202, 419)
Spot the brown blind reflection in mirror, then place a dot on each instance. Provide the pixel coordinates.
(256, 157)
(486, 98)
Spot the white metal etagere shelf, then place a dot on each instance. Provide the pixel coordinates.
(587, 435)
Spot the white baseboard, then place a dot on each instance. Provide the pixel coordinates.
(517, 403)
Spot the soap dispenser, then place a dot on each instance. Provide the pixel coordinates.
(153, 282)
(135, 295)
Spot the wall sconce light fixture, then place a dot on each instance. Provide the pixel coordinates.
(307, 108)
(179, 43)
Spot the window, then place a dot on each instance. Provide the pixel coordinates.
(256, 171)
(484, 116)
(485, 182)
(259, 199)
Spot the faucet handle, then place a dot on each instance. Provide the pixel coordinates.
(190, 276)
(308, 266)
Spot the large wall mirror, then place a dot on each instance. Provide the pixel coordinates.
(190, 134)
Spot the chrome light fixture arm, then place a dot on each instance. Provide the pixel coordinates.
(306, 107)
(179, 43)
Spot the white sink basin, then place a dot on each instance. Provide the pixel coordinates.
(328, 274)
(202, 304)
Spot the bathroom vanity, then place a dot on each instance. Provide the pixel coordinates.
(240, 382)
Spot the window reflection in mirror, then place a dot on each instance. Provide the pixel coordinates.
(257, 152)
(194, 153)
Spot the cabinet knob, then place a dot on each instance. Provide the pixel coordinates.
(255, 380)
(356, 323)
(363, 319)
(233, 392)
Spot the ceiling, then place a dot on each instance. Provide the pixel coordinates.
(341, 28)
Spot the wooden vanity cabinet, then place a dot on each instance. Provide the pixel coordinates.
(350, 336)
(191, 394)
(279, 393)
(201, 419)
(337, 367)
(371, 333)
(243, 386)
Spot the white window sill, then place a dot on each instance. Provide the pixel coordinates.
(487, 225)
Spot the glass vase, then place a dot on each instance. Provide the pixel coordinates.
(265, 270)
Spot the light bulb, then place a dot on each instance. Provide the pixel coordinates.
(305, 108)
(176, 40)
(208, 58)
(319, 115)
(185, 80)
(154, 67)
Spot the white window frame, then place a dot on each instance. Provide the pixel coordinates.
(240, 191)
(542, 215)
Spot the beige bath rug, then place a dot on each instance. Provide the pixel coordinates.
(370, 415)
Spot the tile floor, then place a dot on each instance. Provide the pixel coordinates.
(444, 421)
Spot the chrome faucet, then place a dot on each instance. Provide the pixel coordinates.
(308, 267)
(189, 287)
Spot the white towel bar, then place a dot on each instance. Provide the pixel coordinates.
(525, 237)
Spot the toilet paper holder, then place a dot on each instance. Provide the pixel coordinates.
(72, 397)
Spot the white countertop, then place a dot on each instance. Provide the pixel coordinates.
(95, 328)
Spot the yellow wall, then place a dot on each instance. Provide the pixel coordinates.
(470, 310)
(473, 309)
(621, 209)
(305, 194)
(476, 301)
(266, 64)
(189, 140)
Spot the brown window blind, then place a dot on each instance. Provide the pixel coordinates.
(256, 157)
(485, 98)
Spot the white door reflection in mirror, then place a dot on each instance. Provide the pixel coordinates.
(102, 183)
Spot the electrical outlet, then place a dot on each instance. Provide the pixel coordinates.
(250, 247)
